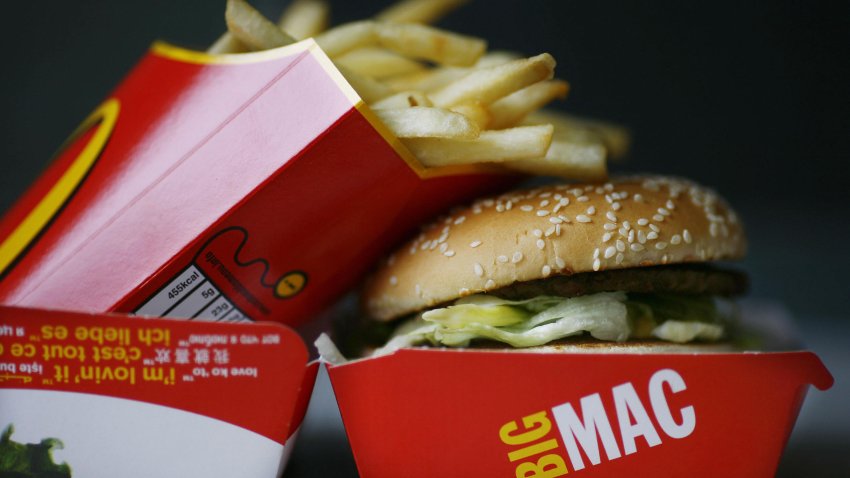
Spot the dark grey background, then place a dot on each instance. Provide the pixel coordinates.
(750, 97)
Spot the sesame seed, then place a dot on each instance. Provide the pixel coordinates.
(546, 194)
(463, 291)
(658, 217)
(556, 209)
(582, 199)
(637, 247)
(540, 244)
(527, 208)
(560, 262)
(620, 258)
(582, 218)
(606, 237)
(621, 246)
(502, 259)
(670, 205)
(686, 235)
(500, 208)
(652, 235)
(537, 233)
(393, 280)
(660, 245)
(609, 227)
(433, 245)
(449, 253)
(516, 257)
(663, 211)
(479, 271)
(599, 191)
(460, 220)
(563, 218)
(623, 232)
(638, 197)
(626, 225)
(555, 220)
(641, 237)
(631, 236)
(489, 284)
(509, 205)
(609, 252)
(557, 229)
(549, 231)
(444, 247)
(476, 210)
(713, 229)
(596, 253)
(564, 202)
(616, 206)
(542, 213)
(544, 203)
(611, 216)
(676, 239)
(665, 258)
(546, 270)
(596, 264)
(642, 221)
(591, 211)
(654, 228)
(474, 244)
(609, 198)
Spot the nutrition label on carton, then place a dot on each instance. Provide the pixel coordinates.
(192, 295)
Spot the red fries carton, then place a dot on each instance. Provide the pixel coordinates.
(425, 413)
(231, 188)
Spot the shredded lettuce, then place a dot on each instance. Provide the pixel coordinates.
(609, 316)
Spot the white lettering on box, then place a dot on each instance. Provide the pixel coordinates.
(628, 405)
(661, 408)
(594, 427)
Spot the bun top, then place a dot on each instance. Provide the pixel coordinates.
(564, 229)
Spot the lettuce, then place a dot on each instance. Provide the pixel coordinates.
(30, 460)
(610, 316)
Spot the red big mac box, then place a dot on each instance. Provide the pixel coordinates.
(576, 328)
(224, 189)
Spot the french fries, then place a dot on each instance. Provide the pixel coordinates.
(424, 122)
(524, 142)
(378, 63)
(253, 29)
(419, 11)
(441, 93)
(428, 43)
(487, 85)
(512, 109)
(305, 18)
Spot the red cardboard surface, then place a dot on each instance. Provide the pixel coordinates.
(233, 187)
(147, 378)
(425, 413)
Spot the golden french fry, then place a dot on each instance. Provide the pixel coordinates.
(616, 139)
(305, 18)
(487, 85)
(476, 112)
(423, 122)
(428, 80)
(253, 29)
(419, 11)
(377, 62)
(369, 89)
(347, 37)
(584, 161)
(512, 109)
(490, 146)
(405, 99)
(495, 58)
(227, 43)
(429, 43)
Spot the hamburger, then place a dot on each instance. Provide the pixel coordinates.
(626, 265)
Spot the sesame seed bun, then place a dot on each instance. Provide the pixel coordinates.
(563, 229)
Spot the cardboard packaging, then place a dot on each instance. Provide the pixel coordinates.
(425, 413)
(226, 188)
(140, 398)
(231, 187)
